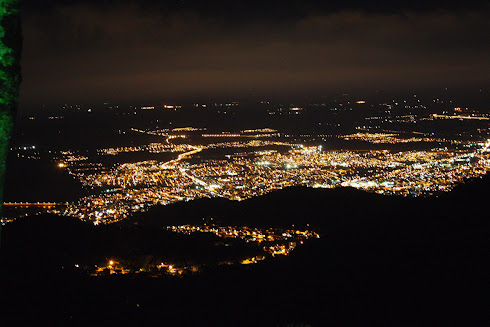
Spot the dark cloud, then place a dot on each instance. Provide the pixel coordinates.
(129, 51)
(266, 8)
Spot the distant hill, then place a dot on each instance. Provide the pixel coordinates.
(281, 208)
(320, 208)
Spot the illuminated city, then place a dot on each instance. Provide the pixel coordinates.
(255, 167)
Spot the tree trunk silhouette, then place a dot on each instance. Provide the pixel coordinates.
(10, 49)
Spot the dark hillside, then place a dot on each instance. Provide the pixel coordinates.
(381, 261)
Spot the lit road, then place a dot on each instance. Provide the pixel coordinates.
(460, 117)
(171, 163)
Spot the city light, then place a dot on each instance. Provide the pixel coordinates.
(139, 185)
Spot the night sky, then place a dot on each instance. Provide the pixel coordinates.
(87, 51)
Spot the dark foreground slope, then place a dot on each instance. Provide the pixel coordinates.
(381, 261)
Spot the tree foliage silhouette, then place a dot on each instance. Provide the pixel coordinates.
(10, 49)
